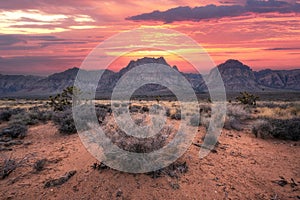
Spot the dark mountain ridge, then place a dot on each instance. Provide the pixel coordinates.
(236, 77)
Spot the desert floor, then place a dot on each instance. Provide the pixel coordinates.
(242, 167)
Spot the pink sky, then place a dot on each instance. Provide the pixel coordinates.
(43, 36)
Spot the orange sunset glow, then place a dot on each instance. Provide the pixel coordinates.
(43, 37)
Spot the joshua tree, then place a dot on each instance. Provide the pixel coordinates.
(64, 99)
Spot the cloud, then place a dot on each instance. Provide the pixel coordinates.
(41, 21)
(271, 6)
(213, 11)
(30, 42)
(283, 49)
(6, 40)
(37, 64)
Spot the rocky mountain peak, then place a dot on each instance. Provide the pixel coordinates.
(142, 61)
(233, 64)
(175, 67)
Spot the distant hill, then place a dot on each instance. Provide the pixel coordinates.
(236, 77)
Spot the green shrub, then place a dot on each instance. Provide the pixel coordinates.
(247, 98)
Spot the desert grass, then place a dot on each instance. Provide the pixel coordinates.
(278, 110)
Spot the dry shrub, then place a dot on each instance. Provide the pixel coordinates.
(286, 129)
(176, 115)
(279, 110)
(39, 164)
(65, 122)
(15, 130)
(205, 108)
(134, 144)
(238, 111)
(5, 115)
(8, 165)
(262, 128)
(195, 120)
(233, 123)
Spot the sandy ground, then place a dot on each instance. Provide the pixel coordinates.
(244, 167)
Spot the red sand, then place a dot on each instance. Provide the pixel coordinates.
(244, 167)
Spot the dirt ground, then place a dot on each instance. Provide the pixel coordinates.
(243, 167)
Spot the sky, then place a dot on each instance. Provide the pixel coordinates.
(41, 37)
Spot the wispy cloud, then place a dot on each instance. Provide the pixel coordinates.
(283, 49)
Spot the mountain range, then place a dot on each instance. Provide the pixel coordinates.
(236, 77)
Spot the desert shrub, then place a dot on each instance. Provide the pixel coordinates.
(5, 115)
(16, 111)
(134, 144)
(295, 110)
(286, 129)
(134, 108)
(233, 123)
(235, 115)
(145, 109)
(268, 105)
(101, 113)
(65, 122)
(247, 98)
(205, 108)
(102, 106)
(24, 119)
(262, 128)
(36, 114)
(195, 121)
(124, 104)
(15, 130)
(238, 111)
(156, 109)
(39, 165)
(116, 104)
(174, 170)
(176, 115)
(168, 112)
(139, 145)
(205, 121)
